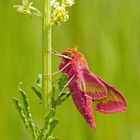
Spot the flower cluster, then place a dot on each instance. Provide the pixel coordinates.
(27, 8)
(59, 10)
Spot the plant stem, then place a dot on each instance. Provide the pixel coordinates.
(46, 57)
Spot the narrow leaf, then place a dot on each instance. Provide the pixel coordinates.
(28, 112)
(55, 93)
(39, 80)
(52, 125)
(62, 81)
(53, 138)
(37, 93)
(21, 113)
(47, 123)
(65, 97)
(49, 116)
(61, 98)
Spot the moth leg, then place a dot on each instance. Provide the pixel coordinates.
(60, 55)
(67, 84)
(54, 51)
(60, 69)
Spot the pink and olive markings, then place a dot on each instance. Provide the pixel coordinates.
(86, 88)
(114, 102)
(92, 86)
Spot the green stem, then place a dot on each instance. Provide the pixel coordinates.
(47, 58)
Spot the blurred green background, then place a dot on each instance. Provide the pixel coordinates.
(108, 33)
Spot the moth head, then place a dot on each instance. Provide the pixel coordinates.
(69, 53)
(72, 54)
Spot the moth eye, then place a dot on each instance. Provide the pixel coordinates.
(70, 54)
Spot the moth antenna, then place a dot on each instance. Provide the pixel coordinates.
(61, 55)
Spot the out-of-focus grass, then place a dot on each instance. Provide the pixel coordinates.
(108, 34)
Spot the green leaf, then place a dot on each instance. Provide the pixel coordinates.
(52, 125)
(21, 113)
(32, 126)
(53, 138)
(37, 93)
(65, 97)
(53, 96)
(48, 119)
(62, 81)
(39, 80)
(55, 92)
(61, 98)
(49, 116)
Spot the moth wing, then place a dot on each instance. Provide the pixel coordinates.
(91, 86)
(114, 102)
(85, 106)
(83, 103)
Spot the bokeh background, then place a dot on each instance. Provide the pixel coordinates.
(108, 33)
